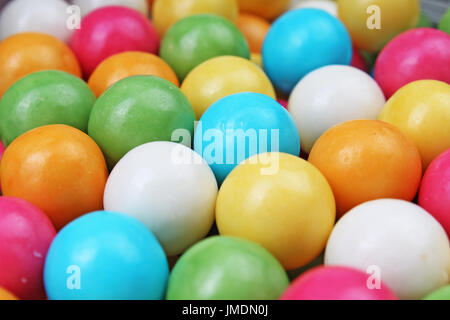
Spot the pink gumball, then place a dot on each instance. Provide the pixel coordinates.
(110, 30)
(417, 54)
(283, 102)
(25, 236)
(337, 283)
(358, 60)
(434, 194)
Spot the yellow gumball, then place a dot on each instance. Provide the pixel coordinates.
(222, 76)
(6, 295)
(256, 58)
(167, 12)
(421, 110)
(281, 202)
(269, 9)
(372, 23)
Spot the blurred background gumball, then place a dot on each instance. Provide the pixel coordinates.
(267, 9)
(442, 293)
(87, 6)
(254, 28)
(326, 5)
(6, 295)
(444, 24)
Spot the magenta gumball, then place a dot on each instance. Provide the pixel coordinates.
(417, 54)
(434, 194)
(337, 283)
(110, 30)
(283, 102)
(25, 236)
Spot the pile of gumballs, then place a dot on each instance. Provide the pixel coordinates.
(224, 149)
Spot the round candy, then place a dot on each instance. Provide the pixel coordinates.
(105, 256)
(424, 21)
(372, 23)
(106, 31)
(25, 53)
(222, 76)
(398, 241)
(256, 58)
(87, 6)
(46, 16)
(434, 195)
(332, 95)
(444, 24)
(336, 283)
(45, 97)
(240, 126)
(198, 38)
(267, 9)
(281, 202)
(326, 5)
(137, 110)
(358, 60)
(58, 168)
(25, 235)
(167, 12)
(180, 210)
(366, 160)
(6, 295)
(254, 29)
(427, 102)
(310, 36)
(414, 55)
(442, 293)
(225, 268)
(127, 64)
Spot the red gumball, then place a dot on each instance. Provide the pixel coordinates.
(25, 236)
(417, 54)
(110, 30)
(337, 283)
(434, 194)
(283, 102)
(358, 60)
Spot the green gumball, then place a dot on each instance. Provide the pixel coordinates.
(444, 25)
(440, 294)
(227, 268)
(198, 38)
(424, 21)
(43, 98)
(137, 110)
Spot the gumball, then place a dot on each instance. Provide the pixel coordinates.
(25, 235)
(240, 126)
(336, 283)
(106, 31)
(301, 41)
(332, 95)
(372, 23)
(167, 12)
(220, 77)
(434, 195)
(127, 64)
(87, 6)
(45, 97)
(267, 9)
(414, 55)
(25, 53)
(137, 110)
(326, 5)
(6, 295)
(227, 268)
(283, 103)
(45, 16)
(198, 38)
(256, 58)
(254, 29)
(442, 293)
(424, 21)
(427, 102)
(399, 241)
(105, 256)
(58, 168)
(358, 60)
(183, 192)
(281, 202)
(366, 160)
(444, 24)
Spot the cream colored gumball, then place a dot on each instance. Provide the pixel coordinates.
(328, 6)
(88, 6)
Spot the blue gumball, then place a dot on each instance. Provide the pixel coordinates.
(301, 41)
(105, 256)
(242, 125)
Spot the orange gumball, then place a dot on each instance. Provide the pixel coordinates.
(28, 52)
(6, 295)
(268, 9)
(58, 168)
(132, 63)
(254, 29)
(365, 160)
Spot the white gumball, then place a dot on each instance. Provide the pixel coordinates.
(399, 239)
(44, 16)
(169, 188)
(332, 95)
(88, 6)
(328, 6)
